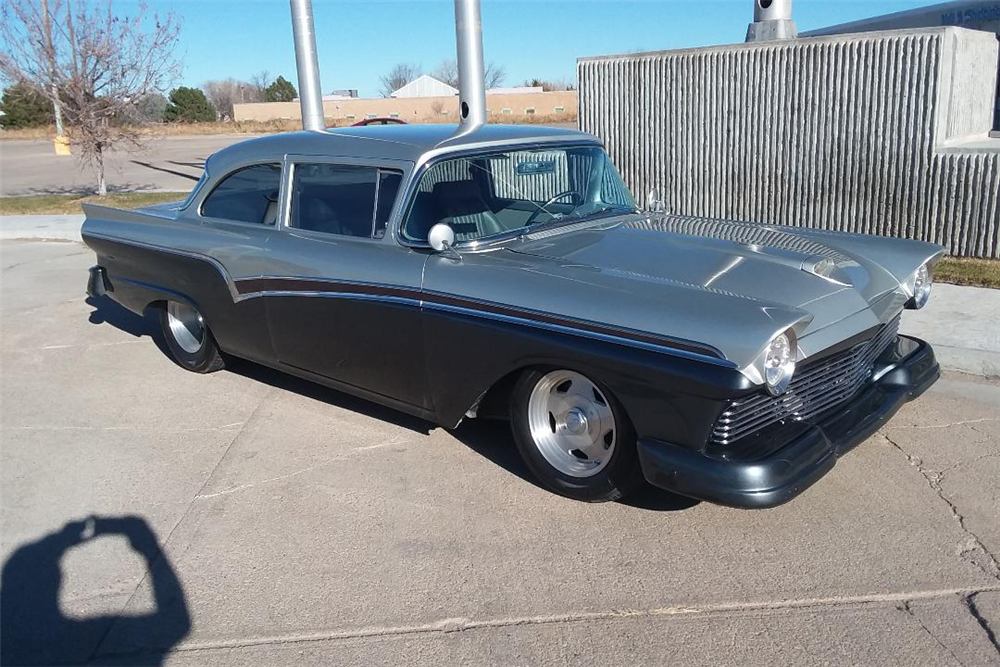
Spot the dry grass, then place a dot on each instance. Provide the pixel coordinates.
(70, 204)
(968, 271)
(272, 126)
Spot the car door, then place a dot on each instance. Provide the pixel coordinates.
(342, 298)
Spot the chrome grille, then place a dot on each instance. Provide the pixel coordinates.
(812, 392)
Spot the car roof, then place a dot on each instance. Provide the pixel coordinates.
(400, 142)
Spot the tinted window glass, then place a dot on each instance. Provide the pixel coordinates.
(388, 187)
(248, 195)
(334, 198)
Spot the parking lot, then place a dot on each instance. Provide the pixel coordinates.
(152, 515)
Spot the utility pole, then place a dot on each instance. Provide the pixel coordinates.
(307, 65)
(50, 54)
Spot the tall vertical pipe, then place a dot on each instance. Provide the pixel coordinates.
(471, 76)
(307, 64)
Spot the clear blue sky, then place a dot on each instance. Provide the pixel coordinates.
(359, 41)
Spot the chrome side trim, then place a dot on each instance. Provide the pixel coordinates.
(724, 363)
(429, 305)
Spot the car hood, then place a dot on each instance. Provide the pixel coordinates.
(748, 261)
(807, 279)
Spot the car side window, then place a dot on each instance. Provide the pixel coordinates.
(334, 199)
(247, 195)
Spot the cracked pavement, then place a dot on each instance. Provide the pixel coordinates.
(153, 516)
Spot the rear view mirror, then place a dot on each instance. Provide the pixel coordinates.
(441, 237)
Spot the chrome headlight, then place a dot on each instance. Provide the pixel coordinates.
(779, 362)
(920, 291)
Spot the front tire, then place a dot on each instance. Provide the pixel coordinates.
(189, 339)
(574, 436)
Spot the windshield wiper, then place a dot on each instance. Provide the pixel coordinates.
(576, 217)
(597, 211)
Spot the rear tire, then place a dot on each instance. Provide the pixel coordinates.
(189, 339)
(574, 435)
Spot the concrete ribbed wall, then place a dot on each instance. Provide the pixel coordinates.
(878, 133)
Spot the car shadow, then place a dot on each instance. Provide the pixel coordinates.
(489, 438)
(107, 311)
(35, 631)
(317, 392)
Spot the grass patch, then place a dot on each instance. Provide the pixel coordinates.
(968, 271)
(70, 204)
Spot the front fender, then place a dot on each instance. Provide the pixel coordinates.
(670, 396)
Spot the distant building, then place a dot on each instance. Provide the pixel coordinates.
(425, 86)
(343, 93)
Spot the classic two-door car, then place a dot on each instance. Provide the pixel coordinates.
(507, 272)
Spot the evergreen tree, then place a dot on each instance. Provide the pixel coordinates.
(23, 107)
(280, 91)
(188, 105)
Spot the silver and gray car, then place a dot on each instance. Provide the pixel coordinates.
(506, 272)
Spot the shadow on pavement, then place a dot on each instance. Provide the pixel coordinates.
(107, 311)
(33, 629)
(489, 438)
(173, 172)
(83, 190)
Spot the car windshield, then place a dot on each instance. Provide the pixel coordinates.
(484, 196)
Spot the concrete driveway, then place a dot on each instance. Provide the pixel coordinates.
(151, 516)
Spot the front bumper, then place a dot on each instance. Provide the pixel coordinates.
(904, 372)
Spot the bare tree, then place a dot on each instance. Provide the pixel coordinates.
(227, 92)
(99, 64)
(398, 76)
(447, 72)
(259, 82)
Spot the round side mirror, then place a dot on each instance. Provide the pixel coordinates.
(441, 237)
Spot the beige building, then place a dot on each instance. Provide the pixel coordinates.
(554, 105)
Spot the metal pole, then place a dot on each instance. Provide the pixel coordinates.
(307, 64)
(471, 77)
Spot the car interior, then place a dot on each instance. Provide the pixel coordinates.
(470, 205)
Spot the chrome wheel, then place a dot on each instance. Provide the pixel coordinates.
(186, 326)
(571, 423)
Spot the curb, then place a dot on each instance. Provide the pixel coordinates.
(41, 227)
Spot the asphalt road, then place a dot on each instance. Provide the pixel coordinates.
(249, 518)
(31, 167)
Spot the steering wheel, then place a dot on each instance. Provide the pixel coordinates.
(576, 200)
